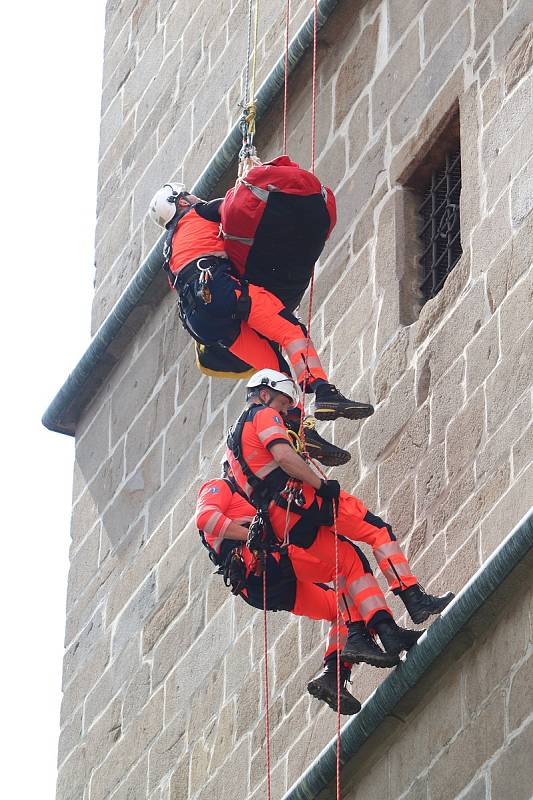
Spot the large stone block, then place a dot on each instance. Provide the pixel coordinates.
(521, 694)
(421, 741)
(522, 194)
(515, 503)
(400, 15)
(80, 684)
(430, 480)
(482, 355)
(522, 451)
(108, 479)
(507, 121)
(380, 431)
(358, 131)
(487, 14)
(437, 20)
(464, 435)
(166, 613)
(477, 507)
(346, 293)
(475, 744)
(152, 420)
(503, 647)
(391, 365)
(512, 771)
(136, 387)
(116, 676)
(83, 566)
(508, 163)
(128, 749)
(130, 502)
(400, 71)
(446, 399)
(145, 71)
(519, 60)
(177, 640)
(431, 79)
(507, 382)
(80, 650)
(515, 312)
(496, 450)
(515, 25)
(356, 71)
(165, 751)
(510, 264)
(450, 340)
(136, 694)
(135, 613)
(135, 785)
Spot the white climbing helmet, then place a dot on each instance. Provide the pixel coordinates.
(164, 203)
(272, 379)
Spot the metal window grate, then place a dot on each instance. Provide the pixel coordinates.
(440, 233)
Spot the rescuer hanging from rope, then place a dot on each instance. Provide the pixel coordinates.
(219, 307)
(299, 508)
(223, 517)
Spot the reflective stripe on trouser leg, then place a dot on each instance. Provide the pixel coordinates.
(269, 317)
(394, 565)
(365, 596)
(331, 645)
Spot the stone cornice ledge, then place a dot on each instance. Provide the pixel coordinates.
(383, 702)
(144, 292)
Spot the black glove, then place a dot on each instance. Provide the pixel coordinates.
(329, 489)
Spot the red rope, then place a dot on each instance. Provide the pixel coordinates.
(286, 89)
(313, 105)
(338, 665)
(338, 642)
(267, 707)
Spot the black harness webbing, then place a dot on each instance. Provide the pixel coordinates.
(269, 489)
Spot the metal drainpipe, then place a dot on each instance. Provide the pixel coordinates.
(93, 360)
(383, 701)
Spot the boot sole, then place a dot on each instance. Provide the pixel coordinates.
(424, 615)
(326, 412)
(384, 663)
(330, 459)
(348, 708)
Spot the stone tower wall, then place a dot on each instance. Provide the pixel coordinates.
(162, 670)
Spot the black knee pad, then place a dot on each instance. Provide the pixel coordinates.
(377, 522)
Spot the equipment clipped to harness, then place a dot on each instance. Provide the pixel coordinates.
(203, 281)
(261, 539)
(234, 572)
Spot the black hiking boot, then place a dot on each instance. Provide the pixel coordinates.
(324, 687)
(331, 404)
(420, 605)
(395, 639)
(325, 452)
(360, 648)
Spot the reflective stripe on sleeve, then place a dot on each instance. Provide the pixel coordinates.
(273, 430)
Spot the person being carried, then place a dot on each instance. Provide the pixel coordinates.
(223, 517)
(218, 306)
(305, 511)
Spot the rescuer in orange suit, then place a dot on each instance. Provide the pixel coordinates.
(223, 516)
(218, 307)
(307, 511)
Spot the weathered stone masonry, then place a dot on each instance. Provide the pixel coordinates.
(162, 686)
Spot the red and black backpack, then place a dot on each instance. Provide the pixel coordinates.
(275, 223)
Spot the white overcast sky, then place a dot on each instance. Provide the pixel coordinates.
(50, 67)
